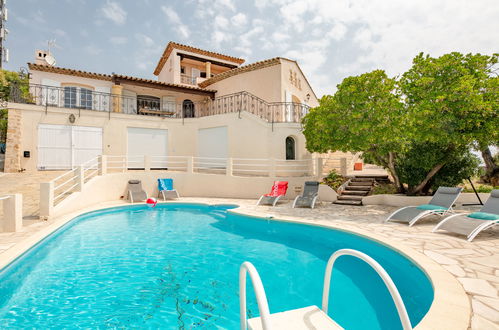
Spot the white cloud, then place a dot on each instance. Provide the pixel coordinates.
(175, 21)
(118, 40)
(146, 41)
(184, 31)
(337, 32)
(239, 20)
(221, 22)
(114, 12)
(171, 15)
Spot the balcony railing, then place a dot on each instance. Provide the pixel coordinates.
(185, 79)
(48, 96)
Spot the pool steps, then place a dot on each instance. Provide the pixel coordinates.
(310, 317)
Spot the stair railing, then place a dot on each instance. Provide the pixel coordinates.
(261, 298)
(397, 299)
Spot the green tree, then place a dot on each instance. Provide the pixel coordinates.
(454, 102)
(366, 115)
(414, 164)
(7, 80)
(449, 102)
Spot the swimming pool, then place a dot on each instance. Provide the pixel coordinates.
(176, 266)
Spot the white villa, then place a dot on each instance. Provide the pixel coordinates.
(203, 104)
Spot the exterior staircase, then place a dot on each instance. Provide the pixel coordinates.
(358, 187)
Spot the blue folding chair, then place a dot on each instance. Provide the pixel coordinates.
(165, 187)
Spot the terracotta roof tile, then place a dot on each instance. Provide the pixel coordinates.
(71, 72)
(241, 69)
(93, 75)
(172, 45)
(155, 82)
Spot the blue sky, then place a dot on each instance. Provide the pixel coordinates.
(331, 39)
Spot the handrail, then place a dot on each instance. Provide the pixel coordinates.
(261, 298)
(272, 112)
(397, 299)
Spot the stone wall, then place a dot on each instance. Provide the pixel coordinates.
(13, 149)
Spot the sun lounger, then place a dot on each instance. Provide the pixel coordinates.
(472, 224)
(279, 189)
(165, 187)
(135, 191)
(309, 195)
(440, 204)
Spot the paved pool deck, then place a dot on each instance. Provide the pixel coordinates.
(475, 265)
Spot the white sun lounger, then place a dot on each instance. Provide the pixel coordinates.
(135, 191)
(472, 224)
(440, 204)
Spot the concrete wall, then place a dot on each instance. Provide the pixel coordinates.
(300, 88)
(248, 136)
(402, 200)
(112, 187)
(264, 83)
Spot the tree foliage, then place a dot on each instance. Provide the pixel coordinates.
(414, 125)
(7, 79)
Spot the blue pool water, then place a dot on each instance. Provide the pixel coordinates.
(176, 267)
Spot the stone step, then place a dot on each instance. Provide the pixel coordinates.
(355, 192)
(358, 188)
(372, 176)
(362, 180)
(348, 202)
(349, 198)
(361, 183)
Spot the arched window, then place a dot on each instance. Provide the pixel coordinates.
(188, 109)
(290, 148)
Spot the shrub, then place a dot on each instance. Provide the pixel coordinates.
(384, 188)
(482, 188)
(334, 179)
(414, 165)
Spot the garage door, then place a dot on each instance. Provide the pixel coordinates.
(147, 142)
(64, 147)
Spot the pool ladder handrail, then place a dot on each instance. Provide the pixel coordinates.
(262, 298)
(392, 288)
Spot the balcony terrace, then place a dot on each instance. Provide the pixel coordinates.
(84, 99)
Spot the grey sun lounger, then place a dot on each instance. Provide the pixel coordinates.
(309, 196)
(440, 204)
(472, 224)
(135, 191)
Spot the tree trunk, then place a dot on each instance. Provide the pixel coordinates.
(393, 172)
(490, 166)
(428, 177)
(389, 164)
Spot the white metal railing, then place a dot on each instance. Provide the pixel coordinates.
(90, 169)
(171, 163)
(64, 188)
(261, 297)
(397, 299)
(209, 164)
(260, 167)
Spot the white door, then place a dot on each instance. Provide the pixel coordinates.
(213, 143)
(64, 146)
(195, 74)
(147, 142)
(87, 144)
